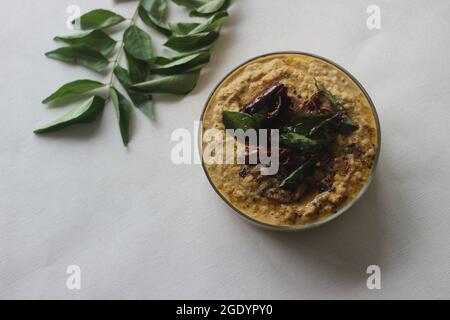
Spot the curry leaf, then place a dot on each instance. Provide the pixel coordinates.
(183, 63)
(191, 42)
(187, 28)
(210, 7)
(85, 113)
(213, 23)
(73, 89)
(98, 19)
(240, 120)
(324, 124)
(80, 54)
(183, 28)
(190, 4)
(123, 112)
(141, 100)
(138, 69)
(306, 123)
(156, 8)
(302, 143)
(138, 43)
(335, 103)
(346, 125)
(299, 174)
(176, 73)
(96, 40)
(123, 76)
(153, 22)
(178, 84)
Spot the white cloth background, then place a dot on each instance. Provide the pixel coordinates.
(141, 227)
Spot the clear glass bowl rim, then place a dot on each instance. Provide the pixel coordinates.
(321, 221)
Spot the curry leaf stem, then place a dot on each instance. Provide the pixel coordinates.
(121, 50)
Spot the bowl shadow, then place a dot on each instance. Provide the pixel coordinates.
(346, 245)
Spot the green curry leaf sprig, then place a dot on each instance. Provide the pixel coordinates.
(147, 74)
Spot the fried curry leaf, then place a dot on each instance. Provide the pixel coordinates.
(123, 110)
(309, 124)
(138, 43)
(73, 89)
(177, 84)
(346, 125)
(335, 103)
(96, 40)
(80, 54)
(306, 123)
(299, 174)
(141, 100)
(85, 113)
(302, 143)
(98, 19)
(325, 123)
(240, 120)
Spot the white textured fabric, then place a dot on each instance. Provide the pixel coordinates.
(140, 227)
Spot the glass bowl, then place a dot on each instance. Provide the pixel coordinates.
(320, 221)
